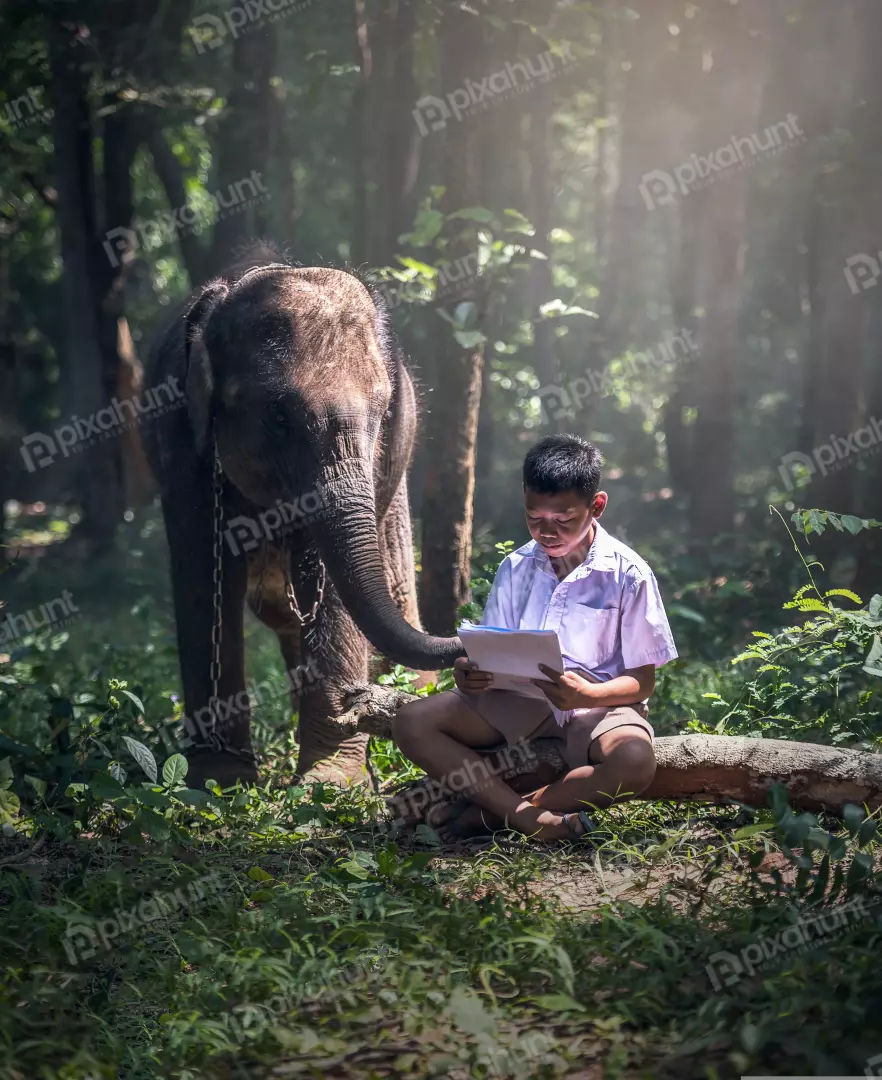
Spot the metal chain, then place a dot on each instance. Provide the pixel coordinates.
(309, 618)
(217, 624)
(216, 742)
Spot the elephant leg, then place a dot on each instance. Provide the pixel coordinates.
(336, 654)
(187, 510)
(268, 571)
(396, 548)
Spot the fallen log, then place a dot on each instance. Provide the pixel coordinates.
(695, 768)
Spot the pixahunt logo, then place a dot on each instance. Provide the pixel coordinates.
(837, 454)
(432, 113)
(660, 188)
(27, 108)
(83, 940)
(39, 450)
(451, 277)
(121, 243)
(560, 402)
(209, 31)
(863, 271)
(54, 613)
(725, 968)
(244, 533)
(471, 776)
(218, 713)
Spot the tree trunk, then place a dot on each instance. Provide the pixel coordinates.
(545, 362)
(89, 384)
(733, 96)
(123, 374)
(451, 429)
(243, 145)
(695, 768)
(361, 140)
(170, 173)
(403, 144)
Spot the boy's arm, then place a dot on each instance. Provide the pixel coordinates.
(568, 690)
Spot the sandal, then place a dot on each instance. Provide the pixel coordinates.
(584, 820)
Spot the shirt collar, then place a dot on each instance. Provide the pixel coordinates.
(601, 555)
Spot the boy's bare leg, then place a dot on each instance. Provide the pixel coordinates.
(624, 768)
(438, 732)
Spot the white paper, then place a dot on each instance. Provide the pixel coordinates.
(512, 656)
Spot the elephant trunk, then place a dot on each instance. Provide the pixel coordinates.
(346, 536)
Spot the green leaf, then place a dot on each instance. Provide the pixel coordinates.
(816, 521)
(469, 339)
(558, 1003)
(873, 663)
(468, 1012)
(105, 786)
(867, 832)
(9, 807)
(427, 226)
(853, 816)
(258, 874)
(847, 593)
(852, 523)
(37, 784)
(557, 309)
(174, 770)
(142, 755)
(134, 699)
(117, 772)
(421, 268)
(465, 313)
(355, 869)
(153, 824)
(190, 796)
(875, 607)
(473, 213)
(752, 830)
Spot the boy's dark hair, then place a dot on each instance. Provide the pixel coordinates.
(563, 463)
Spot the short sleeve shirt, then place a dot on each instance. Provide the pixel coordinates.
(608, 613)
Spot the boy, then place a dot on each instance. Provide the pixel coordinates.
(603, 602)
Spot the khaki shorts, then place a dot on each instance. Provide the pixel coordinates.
(517, 717)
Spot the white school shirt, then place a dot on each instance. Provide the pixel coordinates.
(608, 613)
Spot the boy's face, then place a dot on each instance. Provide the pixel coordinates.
(560, 523)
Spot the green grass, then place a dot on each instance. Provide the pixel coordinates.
(286, 931)
(321, 944)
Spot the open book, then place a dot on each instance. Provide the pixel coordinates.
(513, 656)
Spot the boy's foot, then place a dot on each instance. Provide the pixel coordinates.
(469, 821)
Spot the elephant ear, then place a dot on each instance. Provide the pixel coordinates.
(200, 375)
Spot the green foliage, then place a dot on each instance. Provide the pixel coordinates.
(809, 680)
(815, 521)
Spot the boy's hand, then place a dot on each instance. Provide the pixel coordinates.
(469, 678)
(567, 690)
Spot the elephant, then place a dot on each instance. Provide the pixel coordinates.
(292, 392)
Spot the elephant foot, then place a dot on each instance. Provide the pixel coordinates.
(342, 763)
(226, 769)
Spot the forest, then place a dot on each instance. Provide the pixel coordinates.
(653, 224)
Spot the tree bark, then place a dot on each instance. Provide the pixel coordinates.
(403, 144)
(361, 141)
(89, 384)
(451, 430)
(170, 173)
(243, 144)
(697, 768)
(734, 96)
